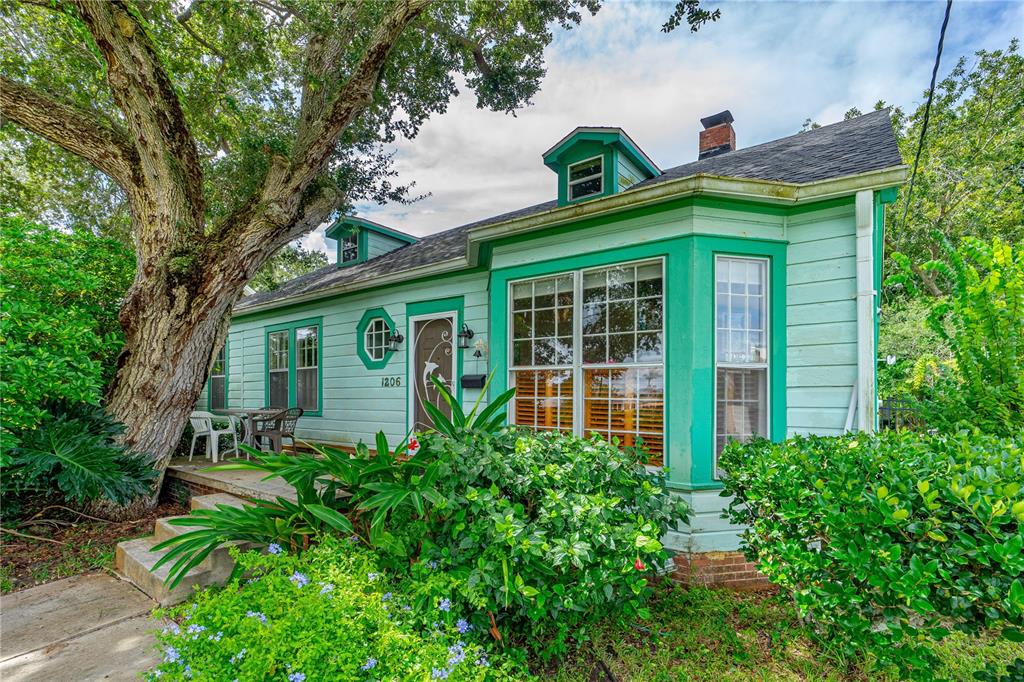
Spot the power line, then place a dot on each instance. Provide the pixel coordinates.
(927, 111)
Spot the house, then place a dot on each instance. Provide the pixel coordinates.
(733, 295)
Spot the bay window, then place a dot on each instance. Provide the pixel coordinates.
(587, 353)
(741, 349)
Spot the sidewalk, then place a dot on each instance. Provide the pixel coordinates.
(88, 627)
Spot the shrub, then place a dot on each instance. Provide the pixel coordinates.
(982, 323)
(548, 531)
(329, 614)
(59, 329)
(73, 454)
(904, 334)
(886, 541)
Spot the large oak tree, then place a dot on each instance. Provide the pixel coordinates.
(232, 127)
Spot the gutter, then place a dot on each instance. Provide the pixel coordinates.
(763, 191)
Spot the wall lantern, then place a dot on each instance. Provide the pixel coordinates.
(395, 340)
(465, 335)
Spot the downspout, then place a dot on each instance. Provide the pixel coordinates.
(864, 387)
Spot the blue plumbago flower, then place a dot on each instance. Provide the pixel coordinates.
(237, 657)
(326, 588)
(457, 657)
(297, 677)
(463, 626)
(187, 671)
(432, 564)
(445, 605)
(158, 673)
(194, 630)
(440, 673)
(353, 538)
(274, 548)
(257, 614)
(299, 579)
(387, 595)
(406, 607)
(216, 637)
(172, 627)
(370, 664)
(172, 655)
(482, 661)
(372, 577)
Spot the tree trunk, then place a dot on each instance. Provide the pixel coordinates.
(172, 320)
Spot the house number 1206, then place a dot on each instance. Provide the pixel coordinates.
(389, 382)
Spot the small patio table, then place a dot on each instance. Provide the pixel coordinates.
(251, 415)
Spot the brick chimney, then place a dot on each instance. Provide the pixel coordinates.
(718, 137)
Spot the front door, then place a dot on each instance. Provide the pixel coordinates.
(432, 354)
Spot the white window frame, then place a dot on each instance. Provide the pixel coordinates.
(766, 365)
(222, 354)
(577, 366)
(570, 182)
(354, 237)
(315, 367)
(286, 369)
(371, 331)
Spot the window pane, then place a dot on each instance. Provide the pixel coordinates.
(585, 169)
(585, 188)
(628, 405)
(306, 347)
(741, 406)
(741, 310)
(278, 350)
(543, 399)
(279, 389)
(306, 389)
(375, 340)
(218, 393)
(542, 322)
(350, 248)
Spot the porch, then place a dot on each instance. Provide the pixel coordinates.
(195, 477)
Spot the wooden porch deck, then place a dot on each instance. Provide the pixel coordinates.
(245, 484)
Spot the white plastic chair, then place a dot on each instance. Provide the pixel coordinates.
(202, 425)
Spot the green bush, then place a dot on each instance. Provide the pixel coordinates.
(74, 455)
(887, 541)
(546, 530)
(329, 614)
(982, 323)
(59, 330)
(904, 334)
(541, 533)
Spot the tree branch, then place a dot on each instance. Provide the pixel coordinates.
(80, 132)
(144, 93)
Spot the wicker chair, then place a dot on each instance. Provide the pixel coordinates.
(279, 427)
(267, 427)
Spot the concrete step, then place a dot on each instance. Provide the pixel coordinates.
(134, 559)
(211, 501)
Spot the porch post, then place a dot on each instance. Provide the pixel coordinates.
(866, 399)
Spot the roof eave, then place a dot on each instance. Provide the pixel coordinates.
(764, 191)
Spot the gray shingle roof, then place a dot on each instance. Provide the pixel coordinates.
(858, 145)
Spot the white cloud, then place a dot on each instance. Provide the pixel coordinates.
(772, 64)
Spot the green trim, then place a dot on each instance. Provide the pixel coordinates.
(707, 251)
(689, 356)
(368, 225)
(209, 382)
(553, 159)
(364, 322)
(430, 307)
(290, 327)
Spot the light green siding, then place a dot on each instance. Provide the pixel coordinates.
(378, 244)
(822, 319)
(355, 404)
(628, 173)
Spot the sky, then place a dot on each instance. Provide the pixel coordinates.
(772, 64)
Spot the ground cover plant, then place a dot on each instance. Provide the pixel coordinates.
(330, 614)
(888, 541)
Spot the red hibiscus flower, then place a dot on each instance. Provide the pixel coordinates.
(639, 565)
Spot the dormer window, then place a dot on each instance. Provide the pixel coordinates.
(586, 178)
(350, 248)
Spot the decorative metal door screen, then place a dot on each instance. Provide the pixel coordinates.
(433, 350)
